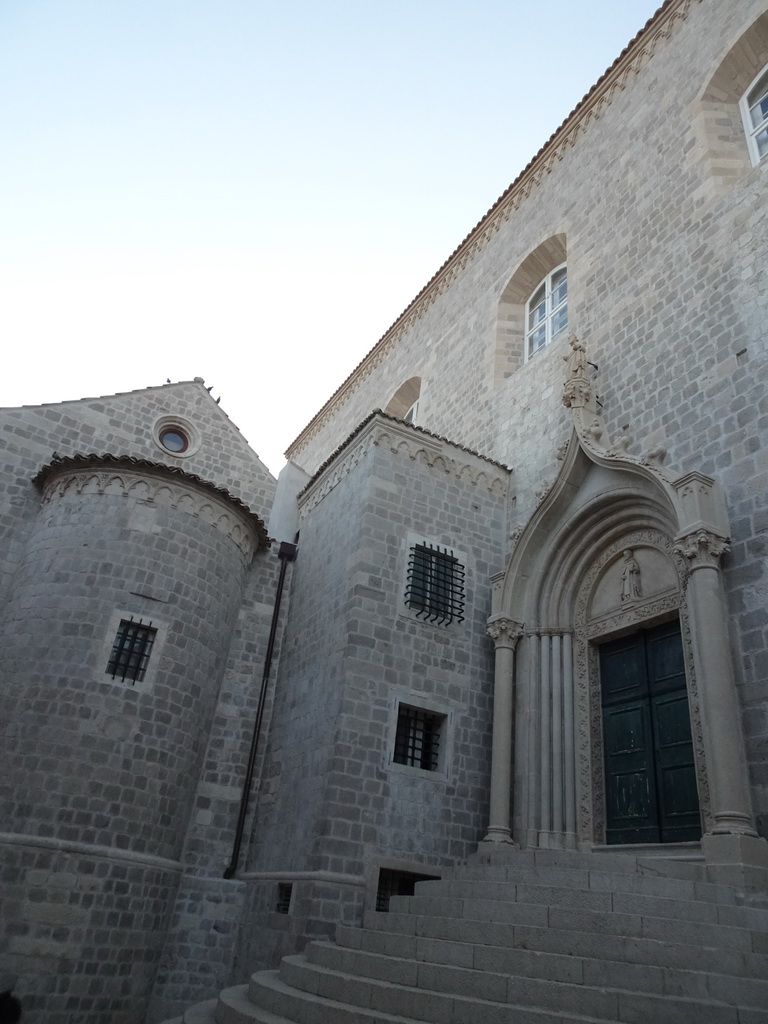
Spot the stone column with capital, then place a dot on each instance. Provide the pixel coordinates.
(724, 752)
(505, 633)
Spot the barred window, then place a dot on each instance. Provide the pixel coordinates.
(131, 650)
(397, 883)
(284, 893)
(435, 589)
(417, 739)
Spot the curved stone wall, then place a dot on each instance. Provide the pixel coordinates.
(97, 767)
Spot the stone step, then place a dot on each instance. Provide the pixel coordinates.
(201, 1013)
(584, 881)
(389, 1004)
(566, 950)
(678, 946)
(633, 859)
(510, 868)
(235, 1007)
(507, 918)
(497, 994)
(497, 976)
(493, 901)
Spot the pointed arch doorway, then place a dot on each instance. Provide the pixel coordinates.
(614, 548)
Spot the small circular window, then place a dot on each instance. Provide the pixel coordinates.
(174, 439)
(176, 436)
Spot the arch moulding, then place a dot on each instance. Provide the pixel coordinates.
(616, 544)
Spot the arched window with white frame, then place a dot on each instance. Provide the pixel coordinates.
(546, 312)
(405, 402)
(754, 111)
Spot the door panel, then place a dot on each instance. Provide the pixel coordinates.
(650, 776)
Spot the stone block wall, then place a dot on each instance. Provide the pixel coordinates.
(664, 230)
(333, 806)
(104, 775)
(82, 929)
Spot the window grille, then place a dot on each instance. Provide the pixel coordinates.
(397, 883)
(131, 650)
(435, 587)
(284, 892)
(417, 739)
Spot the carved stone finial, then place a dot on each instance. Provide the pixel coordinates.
(577, 393)
(631, 587)
(504, 632)
(576, 360)
(577, 390)
(702, 549)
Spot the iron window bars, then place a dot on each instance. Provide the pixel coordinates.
(284, 893)
(435, 587)
(417, 739)
(131, 650)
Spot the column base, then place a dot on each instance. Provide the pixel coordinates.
(496, 834)
(736, 859)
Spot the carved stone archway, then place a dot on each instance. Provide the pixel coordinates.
(610, 521)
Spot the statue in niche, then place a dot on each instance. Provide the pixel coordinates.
(630, 578)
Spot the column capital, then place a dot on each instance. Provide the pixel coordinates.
(702, 549)
(504, 632)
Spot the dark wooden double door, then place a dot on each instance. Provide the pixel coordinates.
(650, 776)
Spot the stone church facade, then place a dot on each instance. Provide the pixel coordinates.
(500, 623)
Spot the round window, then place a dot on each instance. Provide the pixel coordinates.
(176, 436)
(174, 440)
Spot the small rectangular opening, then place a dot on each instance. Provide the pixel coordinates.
(417, 738)
(131, 650)
(284, 892)
(397, 883)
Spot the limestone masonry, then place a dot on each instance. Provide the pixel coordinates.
(465, 717)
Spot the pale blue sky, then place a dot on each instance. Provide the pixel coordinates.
(252, 192)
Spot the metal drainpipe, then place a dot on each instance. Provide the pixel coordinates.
(286, 553)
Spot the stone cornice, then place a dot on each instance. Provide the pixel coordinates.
(154, 484)
(382, 431)
(629, 62)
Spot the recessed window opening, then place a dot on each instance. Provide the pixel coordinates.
(754, 110)
(284, 893)
(404, 404)
(131, 650)
(413, 412)
(417, 739)
(546, 312)
(397, 883)
(174, 440)
(435, 589)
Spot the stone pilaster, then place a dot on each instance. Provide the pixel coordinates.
(505, 634)
(723, 741)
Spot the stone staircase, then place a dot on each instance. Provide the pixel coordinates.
(530, 937)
